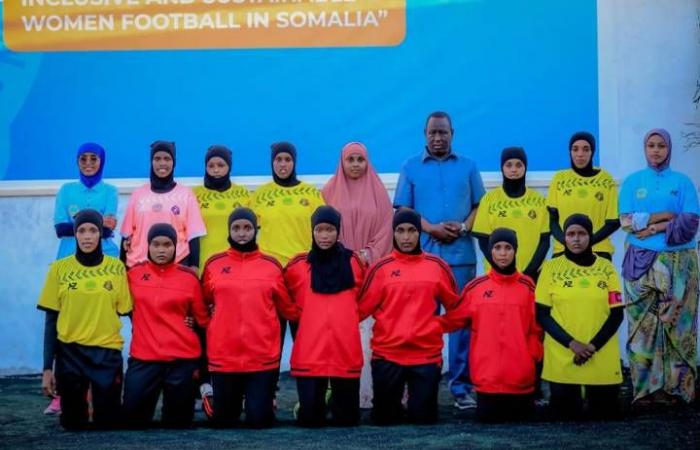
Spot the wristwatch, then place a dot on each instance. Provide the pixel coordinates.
(463, 230)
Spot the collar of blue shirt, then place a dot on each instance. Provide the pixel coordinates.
(427, 156)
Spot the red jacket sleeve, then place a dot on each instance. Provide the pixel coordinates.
(535, 333)
(369, 297)
(286, 307)
(460, 315)
(198, 309)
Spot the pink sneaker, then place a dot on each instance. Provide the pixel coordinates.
(54, 407)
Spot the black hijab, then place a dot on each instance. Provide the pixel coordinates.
(95, 257)
(162, 229)
(249, 215)
(221, 183)
(503, 235)
(407, 216)
(514, 188)
(331, 269)
(285, 147)
(166, 184)
(585, 258)
(587, 171)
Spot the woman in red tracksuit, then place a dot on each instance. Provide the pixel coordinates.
(164, 350)
(506, 339)
(246, 291)
(400, 291)
(324, 283)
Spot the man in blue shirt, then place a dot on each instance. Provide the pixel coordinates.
(445, 188)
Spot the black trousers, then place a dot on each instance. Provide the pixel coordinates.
(144, 382)
(388, 381)
(569, 401)
(344, 404)
(258, 388)
(79, 367)
(504, 407)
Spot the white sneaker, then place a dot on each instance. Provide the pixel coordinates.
(465, 401)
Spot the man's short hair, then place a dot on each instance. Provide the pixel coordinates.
(438, 115)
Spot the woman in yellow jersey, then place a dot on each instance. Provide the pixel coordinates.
(83, 296)
(217, 198)
(515, 206)
(284, 207)
(586, 190)
(580, 308)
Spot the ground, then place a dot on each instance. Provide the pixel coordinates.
(22, 425)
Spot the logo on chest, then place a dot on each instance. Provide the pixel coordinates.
(108, 285)
(175, 210)
(395, 273)
(146, 277)
(488, 293)
(641, 193)
(226, 269)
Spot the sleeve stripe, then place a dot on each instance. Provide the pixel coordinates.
(475, 282)
(443, 265)
(372, 272)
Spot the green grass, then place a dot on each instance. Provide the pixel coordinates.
(22, 425)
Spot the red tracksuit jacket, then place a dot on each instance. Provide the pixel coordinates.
(402, 292)
(506, 340)
(247, 292)
(163, 297)
(327, 343)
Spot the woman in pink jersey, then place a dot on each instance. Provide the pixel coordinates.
(162, 200)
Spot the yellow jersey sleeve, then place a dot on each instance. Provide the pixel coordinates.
(612, 208)
(49, 293)
(553, 192)
(543, 293)
(482, 222)
(125, 302)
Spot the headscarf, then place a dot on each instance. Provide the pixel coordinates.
(503, 235)
(363, 204)
(223, 182)
(162, 229)
(585, 258)
(407, 216)
(249, 215)
(667, 138)
(91, 147)
(331, 269)
(285, 147)
(587, 171)
(96, 256)
(514, 188)
(166, 184)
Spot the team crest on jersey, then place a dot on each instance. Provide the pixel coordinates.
(108, 285)
(532, 214)
(488, 294)
(584, 283)
(157, 207)
(602, 284)
(287, 201)
(582, 193)
(641, 193)
(599, 196)
(73, 210)
(175, 210)
(303, 201)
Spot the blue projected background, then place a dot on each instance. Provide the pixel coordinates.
(510, 72)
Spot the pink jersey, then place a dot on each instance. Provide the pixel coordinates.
(178, 207)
